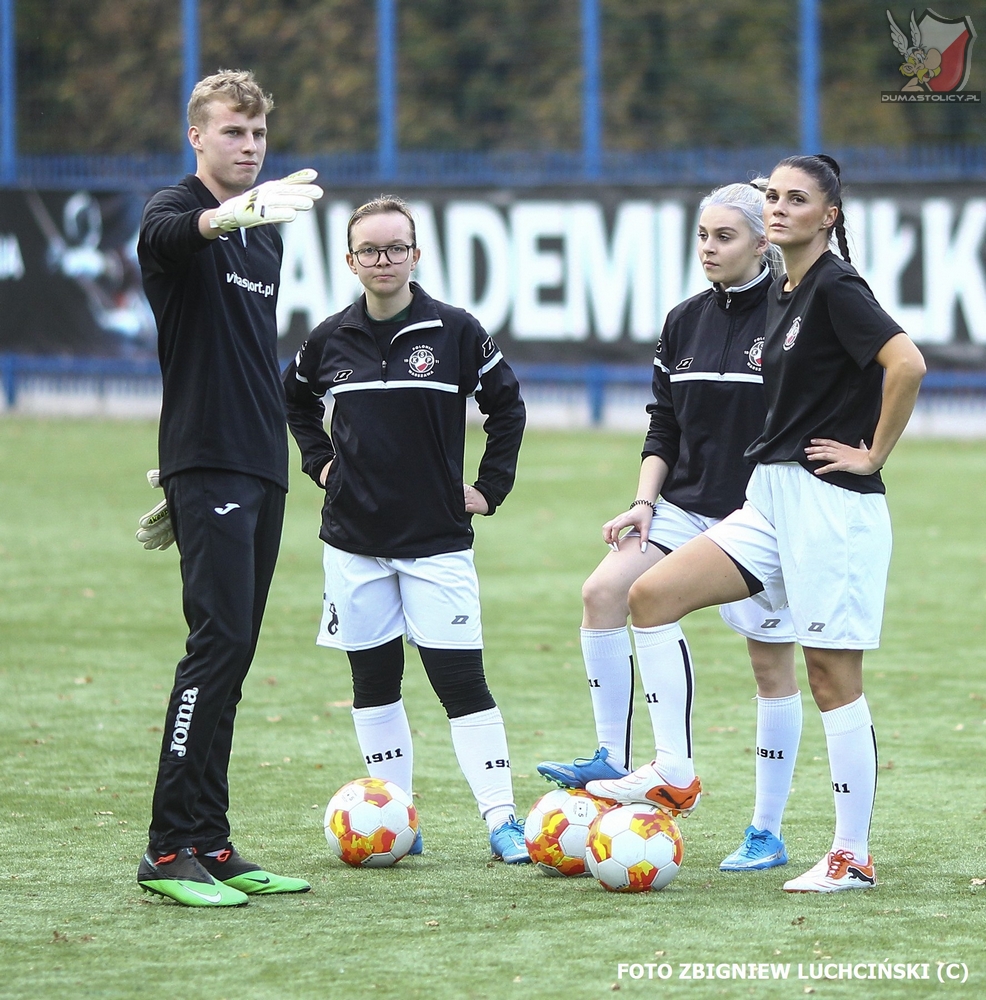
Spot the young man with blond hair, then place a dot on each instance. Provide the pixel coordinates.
(210, 262)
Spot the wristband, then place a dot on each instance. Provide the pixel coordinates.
(650, 503)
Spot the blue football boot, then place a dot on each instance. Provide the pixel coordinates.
(760, 849)
(507, 843)
(581, 770)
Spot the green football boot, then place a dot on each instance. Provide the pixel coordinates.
(233, 870)
(181, 878)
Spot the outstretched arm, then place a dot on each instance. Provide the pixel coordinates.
(270, 202)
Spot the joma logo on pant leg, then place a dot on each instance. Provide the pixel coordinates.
(183, 721)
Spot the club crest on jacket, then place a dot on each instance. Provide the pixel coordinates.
(792, 335)
(422, 361)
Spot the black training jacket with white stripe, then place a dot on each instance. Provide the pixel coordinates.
(709, 401)
(397, 431)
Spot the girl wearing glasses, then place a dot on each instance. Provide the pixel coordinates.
(396, 522)
(841, 379)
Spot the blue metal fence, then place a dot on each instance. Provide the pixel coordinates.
(390, 165)
(699, 167)
(596, 383)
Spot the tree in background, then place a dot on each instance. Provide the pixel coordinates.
(103, 76)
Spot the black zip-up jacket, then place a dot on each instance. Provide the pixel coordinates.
(214, 302)
(709, 396)
(397, 432)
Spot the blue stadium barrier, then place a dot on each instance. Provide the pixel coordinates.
(69, 371)
(521, 168)
(596, 380)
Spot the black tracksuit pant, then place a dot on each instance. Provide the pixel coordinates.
(228, 530)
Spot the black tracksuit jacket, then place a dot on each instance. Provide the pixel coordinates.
(397, 431)
(709, 397)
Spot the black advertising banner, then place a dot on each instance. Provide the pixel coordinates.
(564, 274)
(69, 281)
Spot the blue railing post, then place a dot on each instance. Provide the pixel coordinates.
(8, 367)
(595, 387)
(592, 143)
(190, 68)
(387, 89)
(8, 92)
(808, 71)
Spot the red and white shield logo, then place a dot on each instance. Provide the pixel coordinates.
(953, 38)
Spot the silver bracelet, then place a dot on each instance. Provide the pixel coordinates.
(650, 503)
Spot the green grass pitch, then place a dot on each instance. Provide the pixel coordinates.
(90, 630)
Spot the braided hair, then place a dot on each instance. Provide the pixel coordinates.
(825, 170)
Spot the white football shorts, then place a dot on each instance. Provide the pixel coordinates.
(671, 527)
(433, 600)
(819, 549)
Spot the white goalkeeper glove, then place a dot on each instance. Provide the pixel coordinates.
(273, 201)
(155, 530)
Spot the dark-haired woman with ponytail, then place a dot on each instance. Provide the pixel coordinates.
(814, 534)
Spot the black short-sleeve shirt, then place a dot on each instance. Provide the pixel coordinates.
(820, 377)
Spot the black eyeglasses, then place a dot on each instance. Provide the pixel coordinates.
(397, 253)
